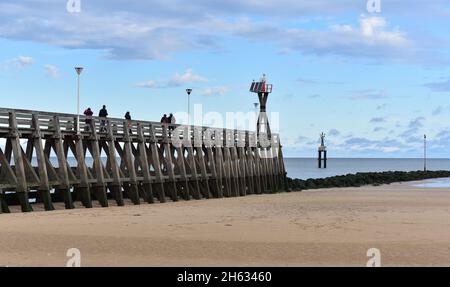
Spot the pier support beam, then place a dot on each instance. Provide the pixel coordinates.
(44, 185)
(170, 186)
(64, 187)
(109, 147)
(3, 206)
(99, 188)
(142, 154)
(22, 187)
(154, 155)
(132, 187)
(215, 180)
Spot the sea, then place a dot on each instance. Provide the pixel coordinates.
(304, 168)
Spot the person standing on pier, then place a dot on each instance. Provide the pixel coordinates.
(128, 118)
(165, 119)
(165, 123)
(172, 121)
(102, 115)
(88, 120)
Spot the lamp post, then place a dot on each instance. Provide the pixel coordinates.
(425, 153)
(189, 91)
(78, 70)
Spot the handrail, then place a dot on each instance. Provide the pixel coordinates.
(24, 118)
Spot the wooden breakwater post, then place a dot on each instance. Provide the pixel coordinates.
(43, 160)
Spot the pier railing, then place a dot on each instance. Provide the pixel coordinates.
(43, 160)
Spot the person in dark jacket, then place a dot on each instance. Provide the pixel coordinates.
(88, 119)
(128, 118)
(165, 123)
(102, 115)
(172, 121)
(165, 119)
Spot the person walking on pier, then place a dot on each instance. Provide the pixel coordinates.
(88, 120)
(172, 121)
(102, 115)
(128, 118)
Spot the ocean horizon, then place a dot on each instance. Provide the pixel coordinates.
(304, 168)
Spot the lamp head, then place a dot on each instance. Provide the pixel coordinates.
(188, 91)
(79, 70)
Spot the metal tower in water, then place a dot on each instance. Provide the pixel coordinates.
(322, 150)
(263, 90)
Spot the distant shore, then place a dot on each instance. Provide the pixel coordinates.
(304, 168)
(326, 227)
(365, 178)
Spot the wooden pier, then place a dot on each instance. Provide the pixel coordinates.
(43, 160)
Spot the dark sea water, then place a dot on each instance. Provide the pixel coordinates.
(305, 168)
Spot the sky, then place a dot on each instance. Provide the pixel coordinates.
(374, 79)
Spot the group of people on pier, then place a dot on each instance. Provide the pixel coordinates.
(103, 115)
(168, 120)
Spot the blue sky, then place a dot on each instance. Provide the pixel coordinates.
(374, 82)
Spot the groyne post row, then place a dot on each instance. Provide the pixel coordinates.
(42, 157)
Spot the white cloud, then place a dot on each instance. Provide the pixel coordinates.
(373, 31)
(213, 91)
(390, 149)
(177, 80)
(155, 29)
(20, 62)
(148, 84)
(334, 133)
(377, 120)
(52, 71)
(439, 86)
(24, 61)
(368, 94)
(187, 78)
(372, 38)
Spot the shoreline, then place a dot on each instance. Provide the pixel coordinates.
(361, 179)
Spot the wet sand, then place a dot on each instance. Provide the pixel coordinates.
(331, 227)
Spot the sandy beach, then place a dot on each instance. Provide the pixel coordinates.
(330, 227)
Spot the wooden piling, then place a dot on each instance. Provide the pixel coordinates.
(215, 181)
(180, 168)
(132, 188)
(154, 155)
(167, 155)
(109, 147)
(22, 187)
(44, 185)
(99, 187)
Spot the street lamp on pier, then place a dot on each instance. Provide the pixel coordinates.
(78, 70)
